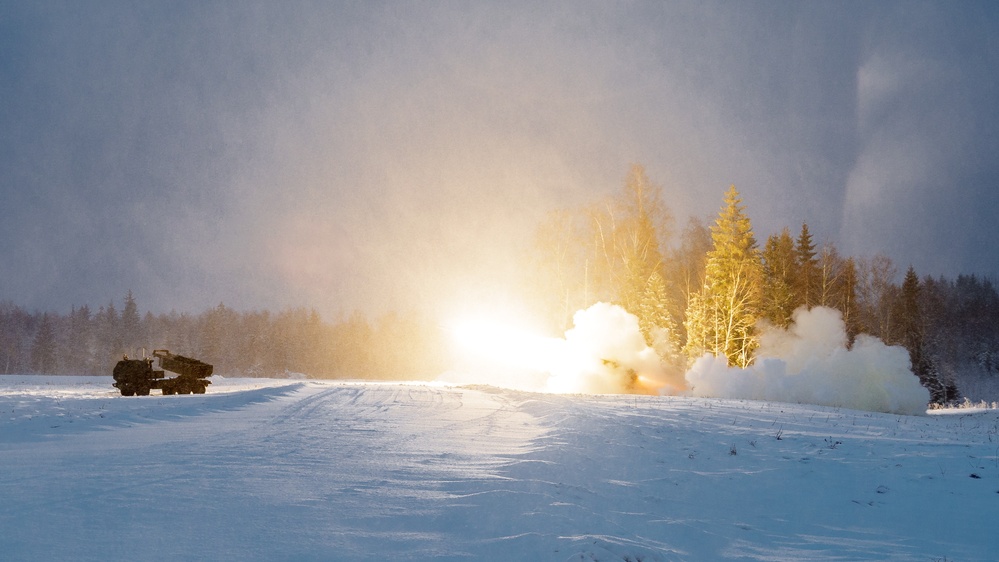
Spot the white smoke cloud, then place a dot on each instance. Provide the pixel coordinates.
(603, 353)
(810, 363)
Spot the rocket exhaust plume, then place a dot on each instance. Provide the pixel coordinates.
(604, 352)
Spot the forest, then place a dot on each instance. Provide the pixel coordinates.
(292, 343)
(711, 289)
(702, 288)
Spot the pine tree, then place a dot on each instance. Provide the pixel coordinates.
(807, 271)
(131, 325)
(778, 296)
(110, 347)
(910, 322)
(656, 321)
(77, 355)
(353, 341)
(217, 325)
(720, 319)
(43, 348)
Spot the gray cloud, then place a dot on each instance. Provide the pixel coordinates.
(372, 155)
(922, 187)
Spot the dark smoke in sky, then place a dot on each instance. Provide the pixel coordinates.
(372, 155)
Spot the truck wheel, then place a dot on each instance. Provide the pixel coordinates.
(167, 391)
(199, 388)
(127, 391)
(142, 391)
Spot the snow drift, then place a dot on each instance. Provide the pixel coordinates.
(810, 363)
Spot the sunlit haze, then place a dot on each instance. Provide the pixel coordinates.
(391, 156)
(499, 343)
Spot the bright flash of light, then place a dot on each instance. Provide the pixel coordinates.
(505, 344)
(605, 352)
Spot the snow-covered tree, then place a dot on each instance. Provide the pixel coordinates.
(721, 317)
(655, 320)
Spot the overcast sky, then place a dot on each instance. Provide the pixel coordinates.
(372, 155)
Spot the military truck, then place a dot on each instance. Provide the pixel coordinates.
(136, 377)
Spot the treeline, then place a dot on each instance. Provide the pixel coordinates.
(710, 289)
(698, 289)
(290, 343)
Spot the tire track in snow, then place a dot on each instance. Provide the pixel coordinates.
(302, 407)
(411, 429)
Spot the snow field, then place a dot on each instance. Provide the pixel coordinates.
(286, 470)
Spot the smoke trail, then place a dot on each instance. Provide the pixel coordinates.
(809, 363)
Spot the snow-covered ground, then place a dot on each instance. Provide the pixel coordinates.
(302, 470)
